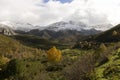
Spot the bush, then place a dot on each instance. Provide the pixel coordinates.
(26, 70)
(54, 67)
(118, 52)
(112, 72)
(82, 69)
(3, 61)
(103, 48)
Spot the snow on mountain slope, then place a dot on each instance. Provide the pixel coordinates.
(8, 23)
(24, 26)
(6, 30)
(62, 25)
(66, 25)
(71, 25)
(19, 26)
(102, 27)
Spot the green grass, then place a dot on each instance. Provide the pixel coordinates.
(12, 48)
(109, 70)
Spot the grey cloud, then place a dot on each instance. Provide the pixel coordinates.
(38, 13)
(88, 16)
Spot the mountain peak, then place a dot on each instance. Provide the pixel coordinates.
(73, 25)
(62, 25)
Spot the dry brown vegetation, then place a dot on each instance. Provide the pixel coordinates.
(82, 69)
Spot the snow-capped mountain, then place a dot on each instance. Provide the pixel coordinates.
(19, 26)
(8, 23)
(40, 27)
(79, 26)
(6, 30)
(66, 26)
(24, 26)
(102, 27)
(62, 25)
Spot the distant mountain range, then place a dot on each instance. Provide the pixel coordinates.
(111, 35)
(79, 26)
(62, 35)
(62, 25)
(68, 31)
(60, 31)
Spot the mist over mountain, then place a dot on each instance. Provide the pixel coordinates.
(6, 30)
(38, 12)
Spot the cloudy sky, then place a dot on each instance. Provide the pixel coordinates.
(44, 12)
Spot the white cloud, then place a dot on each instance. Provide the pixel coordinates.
(38, 13)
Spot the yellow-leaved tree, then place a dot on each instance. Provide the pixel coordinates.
(54, 54)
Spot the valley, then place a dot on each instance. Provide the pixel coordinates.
(55, 53)
(59, 39)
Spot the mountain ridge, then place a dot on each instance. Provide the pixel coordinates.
(111, 35)
(79, 26)
(61, 25)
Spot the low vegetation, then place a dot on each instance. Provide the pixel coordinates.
(38, 42)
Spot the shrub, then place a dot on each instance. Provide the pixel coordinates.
(25, 70)
(118, 52)
(82, 69)
(112, 72)
(54, 67)
(101, 59)
(3, 61)
(103, 48)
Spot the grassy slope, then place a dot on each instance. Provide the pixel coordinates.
(37, 42)
(13, 49)
(111, 69)
(107, 36)
(107, 71)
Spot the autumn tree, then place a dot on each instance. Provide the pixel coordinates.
(54, 54)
